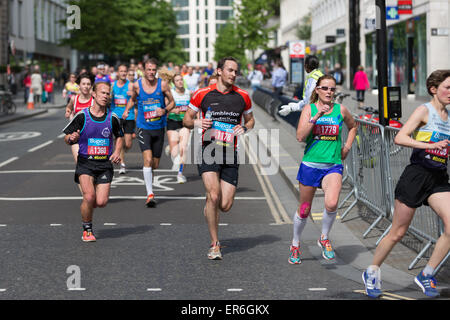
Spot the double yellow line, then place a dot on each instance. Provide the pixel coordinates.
(387, 295)
(276, 208)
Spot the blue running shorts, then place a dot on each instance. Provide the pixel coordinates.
(313, 176)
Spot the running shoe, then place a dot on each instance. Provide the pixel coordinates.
(372, 282)
(150, 202)
(181, 178)
(88, 236)
(427, 284)
(167, 150)
(294, 255)
(327, 250)
(214, 252)
(122, 169)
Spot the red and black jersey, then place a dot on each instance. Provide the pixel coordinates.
(226, 107)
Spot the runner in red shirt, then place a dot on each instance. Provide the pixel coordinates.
(223, 106)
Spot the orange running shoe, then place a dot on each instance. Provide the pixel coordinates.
(88, 236)
(150, 202)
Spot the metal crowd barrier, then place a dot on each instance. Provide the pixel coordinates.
(373, 168)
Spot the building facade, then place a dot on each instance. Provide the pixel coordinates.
(36, 31)
(418, 42)
(199, 21)
(291, 15)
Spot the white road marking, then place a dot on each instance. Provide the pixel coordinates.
(119, 197)
(76, 289)
(55, 224)
(2, 290)
(165, 224)
(110, 224)
(154, 289)
(62, 135)
(317, 289)
(4, 163)
(234, 290)
(223, 224)
(2, 225)
(41, 146)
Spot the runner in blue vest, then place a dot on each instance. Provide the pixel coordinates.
(94, 129)
(150, 93)
(120, 95)
(311, 67)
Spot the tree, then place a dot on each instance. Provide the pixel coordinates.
(248, 30)
(127, 28)
(304, 28)
(229, 44)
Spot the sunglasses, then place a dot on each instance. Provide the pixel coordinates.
(333, 89)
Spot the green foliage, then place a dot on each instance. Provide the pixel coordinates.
(304, 28)
(127, 28)
(248, 30)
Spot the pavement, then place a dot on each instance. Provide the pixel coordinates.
(22, 111)
(352, 249)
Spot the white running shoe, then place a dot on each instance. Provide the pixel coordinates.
(181, 178)
(167, 150)
(214, 252)
(176, 163)
(122, 169)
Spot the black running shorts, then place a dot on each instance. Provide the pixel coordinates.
(228, 168)
(174, 125)
(128, 126)
(417, 183)
(151, 140)
(102, 171)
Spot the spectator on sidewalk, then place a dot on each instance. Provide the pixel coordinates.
(36, 86)
(48, 88)
(279, 78)
(360, 84)
(27, 85)
(314, 73)
(339, 76)
(255, 77)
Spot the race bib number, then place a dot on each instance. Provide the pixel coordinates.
(437, 155)
(326, 129)
(223, 133)
(183, 109)
(150, 112)
(120, 102)
(98, 149)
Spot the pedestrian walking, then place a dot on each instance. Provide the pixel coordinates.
(311, 67)
(222, 106)
(360, 84)
(150, 93)
(279, 78)
(424, 181)
(320, 126)
(255, 77)
(27, 86)
(48, 88)
(36, 86)
(94, 128)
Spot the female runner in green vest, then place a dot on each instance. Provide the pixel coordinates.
(320, 126)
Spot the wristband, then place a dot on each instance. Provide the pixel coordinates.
(245, 129)
(312, 121)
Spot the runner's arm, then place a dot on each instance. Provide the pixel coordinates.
(73, 129)
(130, 103)
(69, 107)
(418, 118)
(118, 133)
(168, 94)
(352, 128)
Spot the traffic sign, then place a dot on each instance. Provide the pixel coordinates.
(297, 49)
(392, 13)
